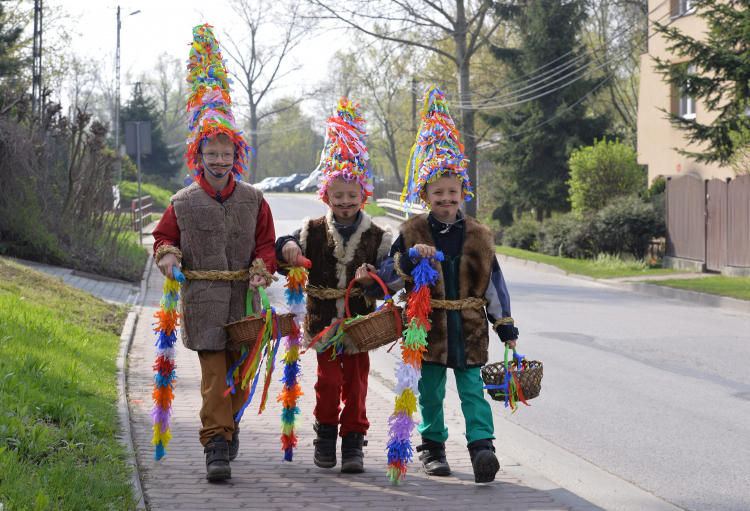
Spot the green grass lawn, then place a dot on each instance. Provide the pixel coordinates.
(375, 210)
(159, 196)
(582, 266)
(58, 420)
(733, 287)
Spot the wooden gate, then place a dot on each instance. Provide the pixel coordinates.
(686, 224)
(716, 224)
(738, 222)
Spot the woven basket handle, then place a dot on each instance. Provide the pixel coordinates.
(349, 289)
(265, 303)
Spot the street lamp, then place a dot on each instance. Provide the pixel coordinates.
(117, 94)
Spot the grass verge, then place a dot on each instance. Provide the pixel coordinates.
(583, 266)
(374, 210)
(732, 287)
(159, 196)
(58, 420)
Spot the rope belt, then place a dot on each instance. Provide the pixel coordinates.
(463, 303)
(328, 293)
(258, 268)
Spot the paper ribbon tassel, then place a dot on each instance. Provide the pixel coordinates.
(409, 371)
(166, 330)
(296, 280)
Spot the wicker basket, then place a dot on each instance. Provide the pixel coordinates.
(245, 331)
(529, 379)
(376, 329)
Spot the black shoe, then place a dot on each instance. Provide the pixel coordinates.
(483, 460)
(234, 445)
(433, 458)
(217, 459)
(352, 457)
(325, 445)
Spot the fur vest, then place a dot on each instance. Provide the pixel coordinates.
(475, 271)
(334, 265)
(215, 236)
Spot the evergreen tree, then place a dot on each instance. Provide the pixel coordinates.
(8, 38)
(536, 157)
(163, 161)
(718, 73)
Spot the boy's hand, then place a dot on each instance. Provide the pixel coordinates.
(165, 265)
(426, 251)
(511, 344)
(291, 251)
(258, 281)
(361, 275)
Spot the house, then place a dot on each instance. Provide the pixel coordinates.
(657, 137)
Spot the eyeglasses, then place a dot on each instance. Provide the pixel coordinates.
(216, 156)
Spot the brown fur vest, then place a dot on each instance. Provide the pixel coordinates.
(215, 236)
(475, 270)
(333, 266)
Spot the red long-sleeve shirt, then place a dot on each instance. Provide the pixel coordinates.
(168, 232)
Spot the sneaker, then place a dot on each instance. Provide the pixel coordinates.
(352, 457)
(217, 459)
(325, 445)
(483, 460)
(433, 458)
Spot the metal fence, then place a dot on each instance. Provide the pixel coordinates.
(709, 222)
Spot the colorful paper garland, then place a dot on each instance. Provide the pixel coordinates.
(409, 371)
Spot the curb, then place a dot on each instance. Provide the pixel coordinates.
(694, 297)
(126, 439)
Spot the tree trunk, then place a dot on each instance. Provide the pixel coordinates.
(253, 167)
(464, 94)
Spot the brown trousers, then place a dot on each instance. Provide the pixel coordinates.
(217, 411)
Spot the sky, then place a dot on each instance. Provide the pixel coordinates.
(166, 26)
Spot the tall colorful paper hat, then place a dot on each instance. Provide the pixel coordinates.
(209, 105)
(345, 151)
(436, 151)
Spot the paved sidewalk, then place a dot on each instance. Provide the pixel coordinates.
(260, 480)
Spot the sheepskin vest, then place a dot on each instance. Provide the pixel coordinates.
(334, 265)
(474, 272)
(215, 236)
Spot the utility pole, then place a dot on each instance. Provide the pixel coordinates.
(117, 101)
(36, 78)
(414, 106)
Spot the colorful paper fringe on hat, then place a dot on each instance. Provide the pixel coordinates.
(209, 105)
(436, 151)
(345, 151)
(248, 366)
(166, 330)
(296, 280)
(409, 371)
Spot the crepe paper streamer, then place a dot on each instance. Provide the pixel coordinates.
(344, 151)
(248, 366)
(409, 370)
(209, 105)
(511, 387)
(436, 151)
(296, 280)
(166, 330)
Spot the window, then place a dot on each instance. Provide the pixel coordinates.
(682, 7)
(682, 104)
(687, 107)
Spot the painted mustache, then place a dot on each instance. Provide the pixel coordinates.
(344, 205)
(447, 203)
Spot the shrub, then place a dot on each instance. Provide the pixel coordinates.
(553, 235)
(522, 234)
(601, 172)
(627, 225)
(658, 186)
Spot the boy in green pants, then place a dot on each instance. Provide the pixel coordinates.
(469, 291)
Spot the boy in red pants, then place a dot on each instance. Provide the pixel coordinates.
(343, 245)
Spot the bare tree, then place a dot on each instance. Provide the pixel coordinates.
(261, 67)
(168, 86)
(428, 24)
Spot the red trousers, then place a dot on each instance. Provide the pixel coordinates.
(343, 379)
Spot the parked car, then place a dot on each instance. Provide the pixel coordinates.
(286, 184)
(267, 182)
(309, 184)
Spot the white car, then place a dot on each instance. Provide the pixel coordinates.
(267, 182)
(309, 184)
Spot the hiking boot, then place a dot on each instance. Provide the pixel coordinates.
(433, 458)
(325, 445)
(483, 460)
(352, 457)
(234, 445)
(217, 459)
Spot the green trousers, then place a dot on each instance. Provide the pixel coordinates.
(477, 411)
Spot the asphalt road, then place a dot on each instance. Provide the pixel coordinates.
(654, 391)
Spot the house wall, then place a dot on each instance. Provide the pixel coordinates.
(657, 137)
